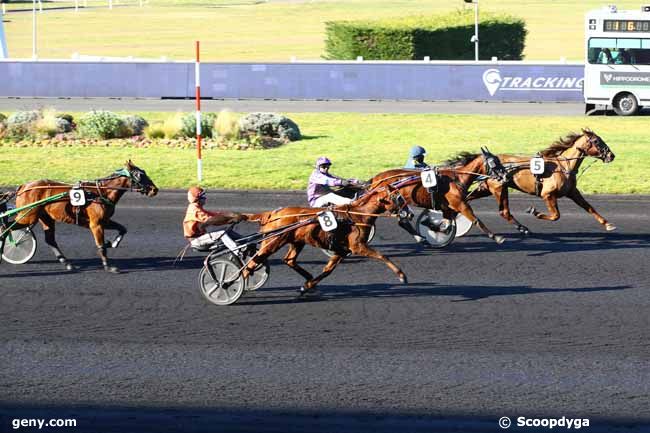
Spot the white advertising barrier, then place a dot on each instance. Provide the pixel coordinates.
(3, 42)
(429, 81)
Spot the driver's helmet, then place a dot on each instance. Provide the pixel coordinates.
(323, 160)
(417, 151)
(195, 194)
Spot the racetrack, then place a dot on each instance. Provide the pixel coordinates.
(320, 106)
(555, 324)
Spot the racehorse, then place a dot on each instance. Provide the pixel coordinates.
(351, 236)
(454, 180)
(562, 160)
(102, 196)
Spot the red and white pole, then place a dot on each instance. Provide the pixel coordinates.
(197, 80)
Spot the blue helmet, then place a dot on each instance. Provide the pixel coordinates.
(417, 151)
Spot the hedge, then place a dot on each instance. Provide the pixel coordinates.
(441, 37)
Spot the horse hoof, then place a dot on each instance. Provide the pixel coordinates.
(610, 227)
(523, 230)
(70, 267)
(499, 239)
(403, 279)
(308, 293)
(531, 210)
(112, 269)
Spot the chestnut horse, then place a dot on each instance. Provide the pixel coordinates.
(454, 180)
(351, 235)
(102, 195)
(562, 160)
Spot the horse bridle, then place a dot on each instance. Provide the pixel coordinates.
(135, 178)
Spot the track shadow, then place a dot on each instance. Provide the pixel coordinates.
(363, 291)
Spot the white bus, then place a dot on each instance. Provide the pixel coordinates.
(617, 59)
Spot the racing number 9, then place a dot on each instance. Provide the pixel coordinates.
(77, 197)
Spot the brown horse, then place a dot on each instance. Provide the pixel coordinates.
(351, 235)
(101, 195)
(562, 160)
(454, 180)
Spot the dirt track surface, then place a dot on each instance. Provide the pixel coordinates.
(551, 325)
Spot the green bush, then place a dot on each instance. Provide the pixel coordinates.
(3, 118)
(441, 37)
(269, 125)
(135, 124)
(22, 124)
(188, 128)
(102, 125)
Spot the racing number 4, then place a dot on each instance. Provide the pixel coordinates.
(327, 221)
(428, 178)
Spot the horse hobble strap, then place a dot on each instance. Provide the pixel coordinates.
(538, 185)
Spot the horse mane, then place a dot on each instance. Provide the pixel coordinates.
(563, 143)
(462, 158)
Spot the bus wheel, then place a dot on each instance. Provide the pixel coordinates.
(625, 104)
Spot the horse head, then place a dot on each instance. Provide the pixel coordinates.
(140, 180)
(493, 166)
(595, 146)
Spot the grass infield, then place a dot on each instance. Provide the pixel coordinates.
(360, 145)
(254, 30)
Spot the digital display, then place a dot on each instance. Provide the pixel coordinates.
(626, 26)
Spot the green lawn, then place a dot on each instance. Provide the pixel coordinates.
(360, 145)
(247, 30)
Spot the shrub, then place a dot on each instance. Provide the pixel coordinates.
(102, 125)
(269, 125)
(441, 37)
(3, 118)
(70, 120)
(135, 124)
(188, 128)
(226, 125)
(50, 124)
(154, 131)
(172, 126)
(22, 124)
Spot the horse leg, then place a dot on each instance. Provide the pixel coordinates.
(309, 285)
(266, 249)
(580, 201)
(48, 225)
(291, 260)
(362, 249)
(551, 204)
(501, 195)
(468, 213)
(121, 231)
(98, 233)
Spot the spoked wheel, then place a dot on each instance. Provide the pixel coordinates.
(258, 278)
(371, 236)
(228, 286)
(463, 225)
(19, 246)
(438, 231)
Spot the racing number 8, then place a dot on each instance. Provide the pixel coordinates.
(327, 221)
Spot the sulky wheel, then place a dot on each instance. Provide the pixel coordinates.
(19, 246)
(438, 231)
(227, 285)
(463, 225)
(258, 278)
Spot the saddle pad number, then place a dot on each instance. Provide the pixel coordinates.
(537, 165)
(228, 242)
(428, 178)
(77, 197)
(327, 221)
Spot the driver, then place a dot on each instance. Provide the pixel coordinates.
(196, 217)
(416, 158)
(319, 191)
